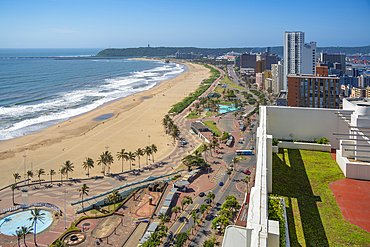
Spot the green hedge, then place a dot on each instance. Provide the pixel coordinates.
(180, 106)
(276, 212)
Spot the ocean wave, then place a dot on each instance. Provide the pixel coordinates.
(34, 115)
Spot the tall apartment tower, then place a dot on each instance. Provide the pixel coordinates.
(309, 58)
(293, 54)
(277, 71)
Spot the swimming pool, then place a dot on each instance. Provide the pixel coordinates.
(224, 109)
(13, 222)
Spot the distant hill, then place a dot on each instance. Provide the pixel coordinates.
(165, 51)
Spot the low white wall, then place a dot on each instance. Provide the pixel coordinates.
(303, 123)
(358, 170)
(275, 149)
(305, 146)
(341, 161)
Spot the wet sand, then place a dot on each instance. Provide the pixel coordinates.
(135, 118)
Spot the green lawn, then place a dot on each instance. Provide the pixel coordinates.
(236, 87)
(212, 125)
(302, 178)
(209, 114)
(218, 89)
(225, 80)
(192, 115)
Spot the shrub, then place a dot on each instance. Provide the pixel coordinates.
(276, 212)
(322, 140)
(275, 142)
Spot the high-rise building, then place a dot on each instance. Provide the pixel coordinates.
(364, 80)
(331, 59)
(313, 91)
(277, 75)
(309, 58)
(299, 58)
(293, 49)
(248, 61)
(260, 66)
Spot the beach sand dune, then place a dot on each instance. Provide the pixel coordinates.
(81, 137)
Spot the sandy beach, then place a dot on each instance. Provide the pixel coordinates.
(76, 139)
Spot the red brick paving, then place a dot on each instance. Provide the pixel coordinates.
(353, 197)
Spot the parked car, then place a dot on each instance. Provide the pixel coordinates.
(248, 172)
(201, 194)
(251, 148)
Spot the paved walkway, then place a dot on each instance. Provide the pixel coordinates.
(165, 164)
(353, 197)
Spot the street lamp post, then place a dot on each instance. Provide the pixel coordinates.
(25, 173)
(65, 207)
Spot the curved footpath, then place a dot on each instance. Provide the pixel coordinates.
(165, 164)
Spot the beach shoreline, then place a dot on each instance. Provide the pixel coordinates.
(80, 137)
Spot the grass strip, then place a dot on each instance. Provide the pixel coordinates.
(302, 177)
(213, 127)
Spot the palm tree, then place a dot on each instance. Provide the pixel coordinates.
(36, 215)
(109, 159)
(175, 133)
(247, 179)
(210, 197)
(186, 200)
(26, 230)
(18, 234)
(210, 146)
(109, 200)
(116, 196)
(14, 186)
(139, 152)
(154, 150)
(204, 148)
(39, 173)
(83, 191)
(102, 161)
(68, 167)
(122, 155)
(52, 172)
(176, 210)
(131, 157)
(16, 176)
(62, 172)
(163, 218)
(29, 174)
(147, 151)
(105, 158)
(88, 164)
(235, 161)
(215, 143)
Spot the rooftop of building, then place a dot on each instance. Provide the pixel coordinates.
(359, 101)
(313, 76)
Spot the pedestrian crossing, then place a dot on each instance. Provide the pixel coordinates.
(220, 175)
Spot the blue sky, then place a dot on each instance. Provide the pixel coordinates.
(201, 23)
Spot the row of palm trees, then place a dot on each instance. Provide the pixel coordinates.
(170, 128)
(105, 159)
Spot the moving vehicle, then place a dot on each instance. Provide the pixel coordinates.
(244, 152)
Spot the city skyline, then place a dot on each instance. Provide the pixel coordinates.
(211, 24)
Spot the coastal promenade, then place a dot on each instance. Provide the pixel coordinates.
(67, 192)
